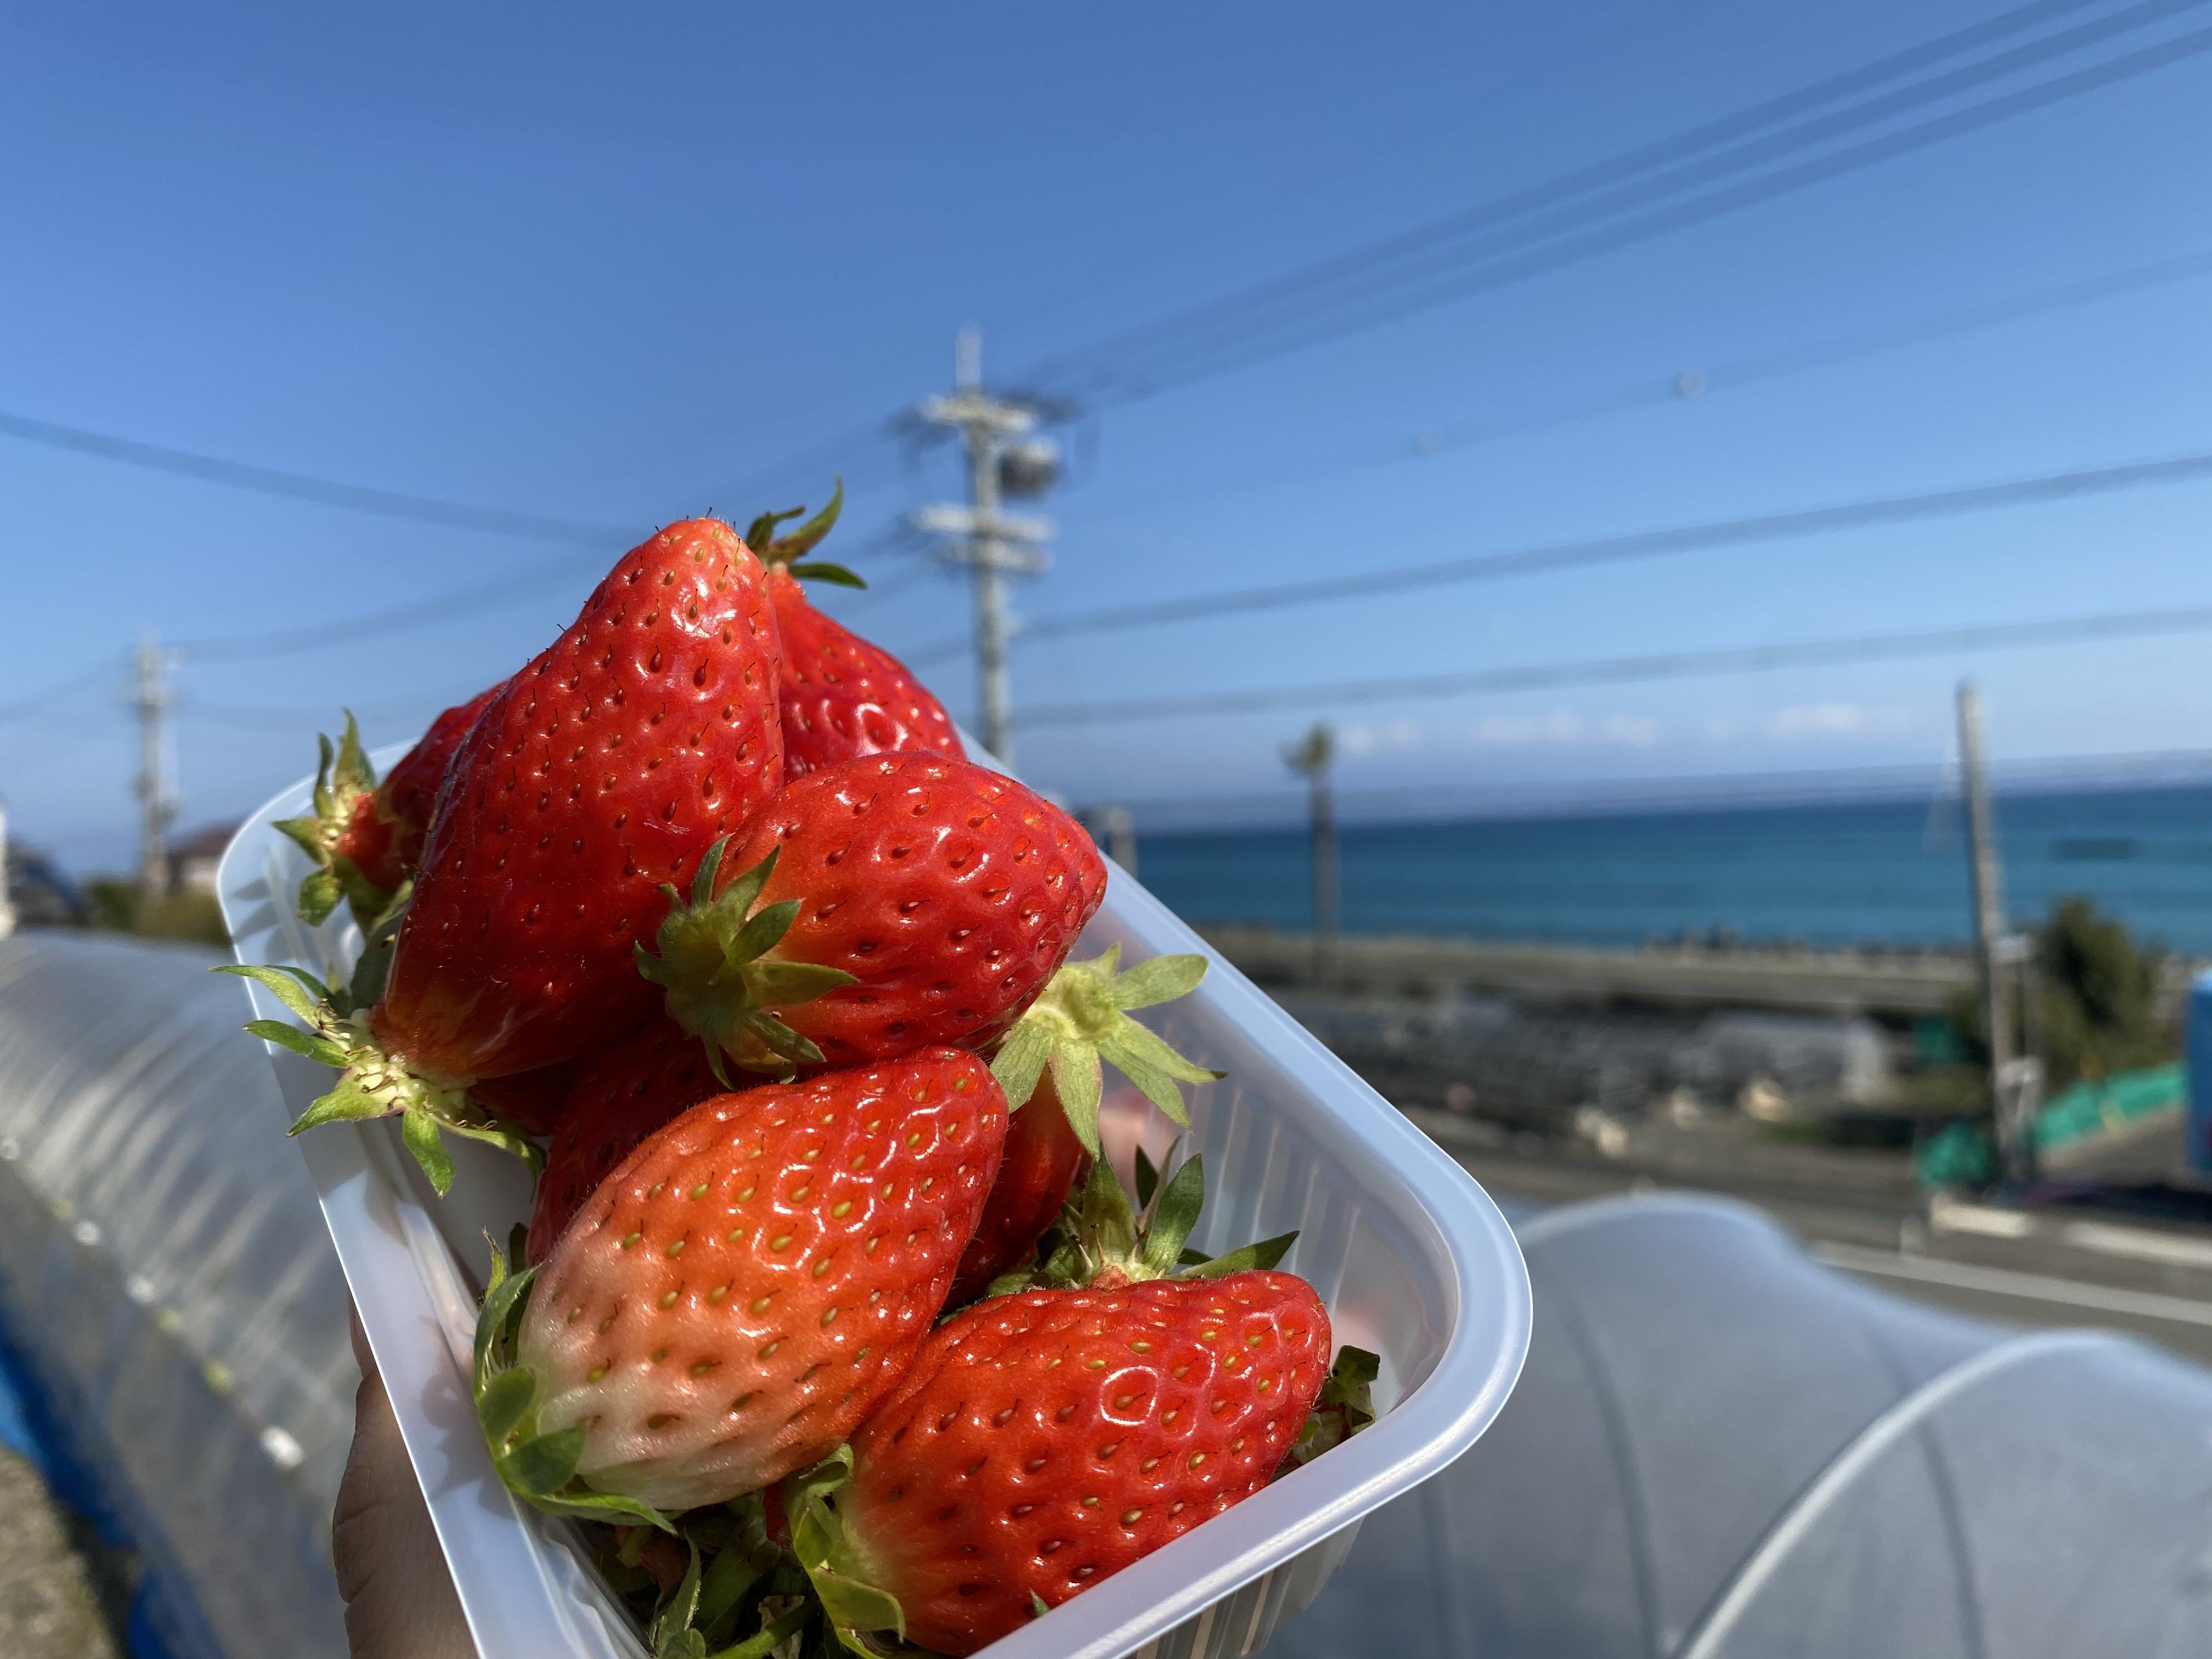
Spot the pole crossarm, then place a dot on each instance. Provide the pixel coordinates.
(996, 545)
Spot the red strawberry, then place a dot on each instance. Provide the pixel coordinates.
(1044, 1441)
(745, 1287)
(905, 900)
(842, 697)
(643, 1082)
(1043, 1160)
(409, 795)
(610, 762)
(364, 836)
(534, 1102)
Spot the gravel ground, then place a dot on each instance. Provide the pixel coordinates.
(63, 1593)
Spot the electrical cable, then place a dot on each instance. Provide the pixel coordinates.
(36, 701)
(1502, 268)
(300, 486)
(1609, 549)
(1111, 373)
(1246, 308)
(1236, 306)
(509, 588)
(1617, 670)
(1652, 391)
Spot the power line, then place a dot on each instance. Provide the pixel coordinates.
(1614, 671)
(294, 721)
(38, 702)
(1112, 371)
(1095, 374)
(859, 452)
(513, 587)
(1610, 550)
(1666, 220)
(1654, 390)
(1247, 307)
(300, 486)
(1265, 307)
(1238, 305)
(510, 587)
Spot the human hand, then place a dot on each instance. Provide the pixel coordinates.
(399, 1598)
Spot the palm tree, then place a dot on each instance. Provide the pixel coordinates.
(1310, 758)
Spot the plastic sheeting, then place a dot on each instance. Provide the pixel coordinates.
(1719, 1449)
(166, 1276)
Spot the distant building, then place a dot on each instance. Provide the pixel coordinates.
(37, 893)
(192, 860)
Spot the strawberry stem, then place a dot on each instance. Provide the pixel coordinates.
(1345, 1406)
(1081, 1017)
(371, 1083)
(772, 549)
(854, 1607)
(718, 985)
(1103, 1242)
(345, 783)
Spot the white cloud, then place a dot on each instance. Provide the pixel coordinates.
(1561, 729)
(1822, 718)
(1360, 738)
(1833, 720)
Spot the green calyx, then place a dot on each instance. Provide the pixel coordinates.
(735, 1578)
(869, 1622)
(538, 1467)
(343, 781)
(720, 988)
(371, 1083)
(790, 551)
(1345, 1406)
(1081, 1017)
(1101, 1240)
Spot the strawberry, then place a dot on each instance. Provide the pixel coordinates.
(904, 901)
(1044, 1441)
(609, 763)
(842, 697)
(364, 836)
(534, 1102)
(1043, 1160)
(643, 1082)
(998, 1480)
(409, 796)
(738, 1294)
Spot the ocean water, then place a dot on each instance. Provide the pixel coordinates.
(1892, 872)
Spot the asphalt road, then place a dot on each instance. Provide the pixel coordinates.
(54, 1604)
(1860, 1213)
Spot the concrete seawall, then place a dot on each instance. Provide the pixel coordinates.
(1899, 982)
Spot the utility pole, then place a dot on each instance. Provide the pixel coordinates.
(997, 546)
(157, 802)
(2015, 1080)
(7, 909)
(1310, 758)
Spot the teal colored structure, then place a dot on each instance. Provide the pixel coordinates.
(2200, 1069)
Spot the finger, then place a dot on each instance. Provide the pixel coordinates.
(400, 1597)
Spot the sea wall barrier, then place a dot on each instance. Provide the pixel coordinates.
(1673, 975)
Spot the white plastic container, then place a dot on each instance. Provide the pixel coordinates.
(1412, 1258)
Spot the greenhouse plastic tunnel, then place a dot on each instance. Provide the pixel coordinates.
(1718, 1448)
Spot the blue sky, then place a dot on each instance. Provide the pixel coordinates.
(560, 261)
